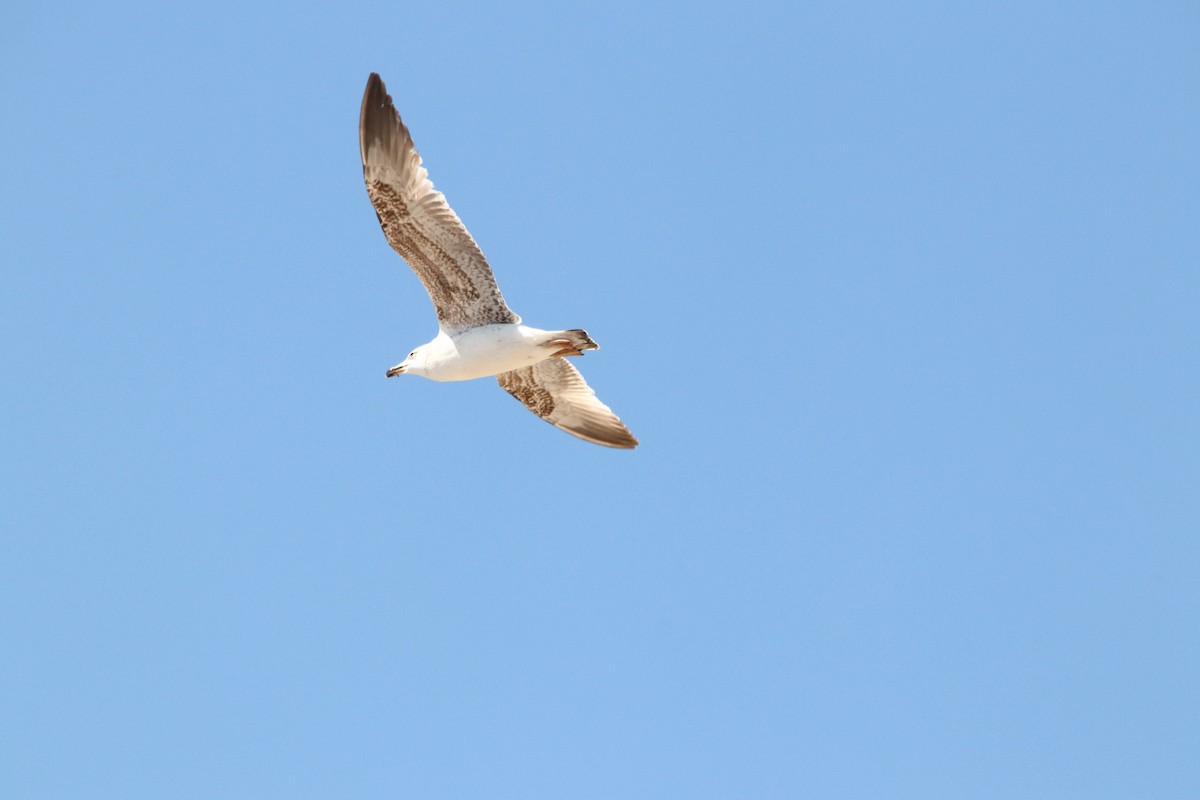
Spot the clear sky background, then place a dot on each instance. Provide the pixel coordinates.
(901, 300)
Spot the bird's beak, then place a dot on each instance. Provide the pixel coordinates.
(396, 370)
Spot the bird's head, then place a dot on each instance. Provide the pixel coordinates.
(413, 365)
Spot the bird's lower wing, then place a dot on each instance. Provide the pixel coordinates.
(555, 391)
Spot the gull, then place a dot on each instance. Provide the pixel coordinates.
(478, 334)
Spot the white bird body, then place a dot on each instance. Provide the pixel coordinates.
(481, 352)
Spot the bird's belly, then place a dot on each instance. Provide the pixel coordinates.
(490, 350)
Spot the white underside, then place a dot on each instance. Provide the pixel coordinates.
(480, 352)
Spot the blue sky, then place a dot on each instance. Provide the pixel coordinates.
(901, 301)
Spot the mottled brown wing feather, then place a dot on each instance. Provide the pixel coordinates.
(555, 391)
(420, 225)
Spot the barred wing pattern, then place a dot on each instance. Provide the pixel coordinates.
(419, 223)
(555, 391)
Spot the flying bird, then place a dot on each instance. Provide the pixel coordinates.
(478, 334)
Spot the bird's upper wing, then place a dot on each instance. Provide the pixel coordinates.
(555, 391)
(420, 225)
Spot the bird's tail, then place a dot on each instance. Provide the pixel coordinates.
(580, 339)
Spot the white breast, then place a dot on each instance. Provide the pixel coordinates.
(487, 350)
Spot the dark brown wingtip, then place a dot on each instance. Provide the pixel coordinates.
(626, 442)
(376, 90)
(375, 100)
(607, 434)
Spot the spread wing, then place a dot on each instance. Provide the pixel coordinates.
(555, 391)
(419, 223)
